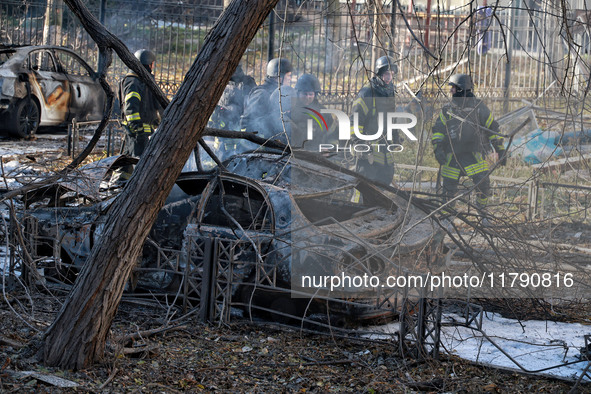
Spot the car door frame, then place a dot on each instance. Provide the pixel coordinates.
(51, 88)
(86, 102)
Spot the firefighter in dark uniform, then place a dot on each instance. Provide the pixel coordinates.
(231, 105)
(257, 116)
(291, 110)
(307, 90)
(229, 109)
(462, 135)
(375, 97)
(140, 109)
(281, 102)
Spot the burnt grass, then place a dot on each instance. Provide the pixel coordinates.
(242, 356)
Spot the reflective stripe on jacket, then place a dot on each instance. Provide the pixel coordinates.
(470, 163)
(470, 135)
(140, 109)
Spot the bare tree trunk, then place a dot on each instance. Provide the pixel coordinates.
(52, 26)
(379, 28)
(77, 337)
(333, 35)
(372, 10)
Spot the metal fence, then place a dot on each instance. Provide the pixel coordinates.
(533, 199)
(339, 41)
(208, 280)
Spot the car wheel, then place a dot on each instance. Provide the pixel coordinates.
(25, 119)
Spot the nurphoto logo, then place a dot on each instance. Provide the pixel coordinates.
(381, 140)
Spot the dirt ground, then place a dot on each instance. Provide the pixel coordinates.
(240, 357)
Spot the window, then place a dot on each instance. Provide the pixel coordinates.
(72, 65)
(41, 61)
(241, 204)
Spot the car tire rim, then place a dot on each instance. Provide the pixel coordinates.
(29, 119)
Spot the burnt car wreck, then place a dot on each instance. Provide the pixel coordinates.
(247, 238)
(46, 86)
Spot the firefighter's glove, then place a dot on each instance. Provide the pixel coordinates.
(136, 127)
(502, 158)
(440, 155)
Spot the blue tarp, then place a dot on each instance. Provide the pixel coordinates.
(540, 145)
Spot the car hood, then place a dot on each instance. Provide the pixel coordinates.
(94, 182)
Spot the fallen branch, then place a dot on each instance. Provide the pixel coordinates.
(140, 352)
(109, 379)
(148, 333)
(250, 136)
(436, 384)
(50, 379)
(9, 342)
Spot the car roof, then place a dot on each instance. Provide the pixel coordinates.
(21, 51)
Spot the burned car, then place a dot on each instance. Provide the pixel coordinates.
(260, 235)
(46, 86)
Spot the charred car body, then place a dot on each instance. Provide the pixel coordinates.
(46, 86)
(244, 237)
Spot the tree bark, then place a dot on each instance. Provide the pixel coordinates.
(77, 337)
(53, 18)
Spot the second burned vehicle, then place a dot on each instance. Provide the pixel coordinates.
(243, 237)
(46, 86)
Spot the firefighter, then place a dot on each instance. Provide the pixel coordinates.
(292, 108)
(231, 105)
(280, 106)
(140, 109)
(377, 97)
(307, 89)
(230, 108)
(462, 135)
(257, 116)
